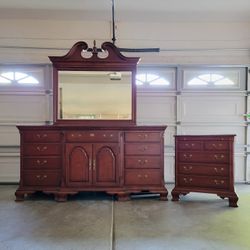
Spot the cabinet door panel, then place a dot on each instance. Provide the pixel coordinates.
(78, 164)
(106, 164)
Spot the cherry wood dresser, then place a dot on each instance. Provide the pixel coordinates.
(65, 160)
(204, 163)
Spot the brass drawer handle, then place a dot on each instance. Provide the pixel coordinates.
(217, 145)
(188, 167)
(188, 156)
(219, 157)
(144, 136)
(92, 135)
(216, 169)
(186, 180)
(144, 148)
(139, 175)
(219, 182)
(142, 162)
(146, 176)
(41, 163)
(41, 148)
(41, 135)
(190, 145)
(41, 177)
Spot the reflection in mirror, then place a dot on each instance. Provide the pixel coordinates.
(95, 95)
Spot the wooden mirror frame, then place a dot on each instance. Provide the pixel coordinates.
(73, 61)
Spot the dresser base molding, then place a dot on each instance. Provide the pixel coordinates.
(232, 196)
(62, 194)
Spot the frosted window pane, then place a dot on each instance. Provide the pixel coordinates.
(224, 81)
(9, 75)
(151, 77)
(4, 80)
(19, 75)
(197, 81)
(28, 80)
(141, 77)
(159, 81)
(216, 77)
(206, 77)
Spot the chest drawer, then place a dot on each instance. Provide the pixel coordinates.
(216, 145)
(142, 177)
(41, 178)
(203, 169)
(92, 136)
(203, 157)
(203, 181)
(42, 163)
(190, 145)
(41, 149)
(41, 136)
(142, 149)
(142, 137)
(142, 162)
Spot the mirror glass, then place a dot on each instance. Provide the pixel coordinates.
(95, 95)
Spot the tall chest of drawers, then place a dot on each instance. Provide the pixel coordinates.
(205, 164)
(144, 162)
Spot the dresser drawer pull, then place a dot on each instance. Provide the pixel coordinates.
(41, 149)
(190, 145)
(146, 176)
(144, 136)
(217, 145)
(188, 168)
(92, 135)
(142, 162)
(216, 169)
(41, 177)
(218, 182)
(41, 163)
(79, 135)
(186, 180)
(188, 156)
(219, 157)
(139, 175)
(41, 135)
(143, 149)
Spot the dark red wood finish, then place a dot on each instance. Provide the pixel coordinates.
(117, 160)
(74, 61)
(204, 163)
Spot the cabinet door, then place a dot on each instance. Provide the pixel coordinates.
(106, 164)
(78, 164)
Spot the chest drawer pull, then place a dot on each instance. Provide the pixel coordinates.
(186, 180)
(41, 149)
(40, 177)
(40, 163)
(92, 135)
(188, 168)
(144, 136)
(142, 162)
(218, 157)
(41, 135)
(139, 175)
(218, 182)
(146, 176)
(188, 156)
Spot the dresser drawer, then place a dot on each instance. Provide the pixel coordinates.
(216, 145)
(41, 149)
(203, 169)
(142, 136)
(41, 136)
(92, 136)
(142, 162)
(42, 163)
(203, 157)
(203, 181)
(190, 145)
(142, 177)
(142, 149)
(41, 178)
